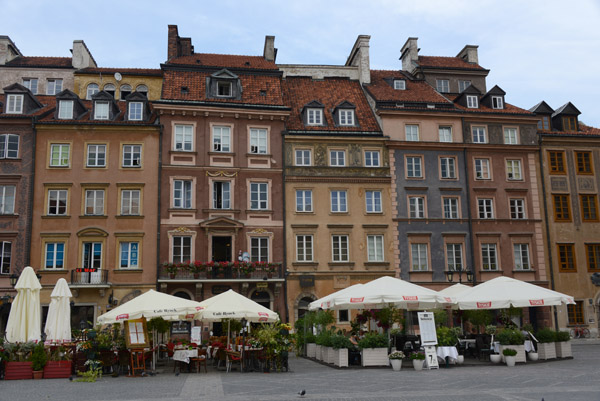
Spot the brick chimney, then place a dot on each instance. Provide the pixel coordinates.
(8, 50)
(409, 54)
(82, 57)
(270, 52)
(178, 46)
(359, 57)
(469, 54)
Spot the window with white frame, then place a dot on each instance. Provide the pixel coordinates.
(337, 158)
(184, 137)
(92, 89)
(110, 89)
(259, 249)
(450, 208)
(420, 262)
(371, 158)
(338, 202)
(304, 248)
(31, 84)
(54, 86)
(486, 208)
(479, 135)
(65, 110)
(517, 209)
(54, 255)
(182, 194)
(14, 104)
(513, 169)
(416, 207)
(399, 84)
(101, 110)
(343, 315)
(413, 167)
(5, 256)
(375, 248)
(445, 134)
(57, 202)
(472, 102)
(462, 85)
(224, 89)
(454, 257)
(412, 132)
(304, 200)
(258, 141)
(59, 155)
(521, 252)
(92, 255)
(9, 146)
(96, 155)
(129, 252)
(489, 257)
(442, 85)
(136, 111)
(221, 195)
(482, 169)
(448, 167)
(130, 202)
(259, 196)
(373, 199)
(339, 248)
(303, 157)
(314, 116)
(346, 117)
(7, 199)
(125, 91)
(132, 156)
(511, 136)
(221, 139)
(182, 248)
(497, 102)
(94, 202)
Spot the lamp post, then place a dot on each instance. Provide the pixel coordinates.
(460, 270)
(244, 322)
(13, 279)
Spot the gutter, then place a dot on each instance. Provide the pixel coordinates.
(158, 214)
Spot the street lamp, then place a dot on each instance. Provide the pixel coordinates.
(460, 270)
(13, 279)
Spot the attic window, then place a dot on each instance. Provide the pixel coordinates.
(472, 102)
(224, 89)
(569, 124)
(15, 104)
(263, 93)
(101, 111)
(497, 102)
(136, 111)
(65, 110)
(315, 116)
(110, 89)
(544, 123)
(143, 89)
(92, 89)
(399, 84)
(346, 117)
(125, 91)
(184, 90)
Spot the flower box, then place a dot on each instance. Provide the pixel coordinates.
(311, 350)
(521, 355)
(328, 357)
(340, 357)
(563, 349)
(57, 370)
(319, 352)
(374, 357)
(546, 350)
(18, 371)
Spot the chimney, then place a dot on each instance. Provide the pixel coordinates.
(8, 50)
(270, 52)
(409, 54)
(82, 57)
(172, 42)
(469, 54)
(359, 57)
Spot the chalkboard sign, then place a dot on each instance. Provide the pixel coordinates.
(136, 333)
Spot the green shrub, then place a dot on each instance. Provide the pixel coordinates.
(509, 352)
(324, 338)
(440, 317)
(478, 317)
(417, 355)
(39, 357)
(339, 341)
(446, 337)
(562, 336)
(510, 337)
(310, 338)
(546, 335)
(373, 340)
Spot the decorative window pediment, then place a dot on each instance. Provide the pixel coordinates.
(494, 98)
(69, 106)
(105, 107)
(19, 100)
(224, 84)
(312, 113)
(137, 107)
(345, 114)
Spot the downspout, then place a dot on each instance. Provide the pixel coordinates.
(29, 222)
(160, 138)
(469, 208)
(285, 272)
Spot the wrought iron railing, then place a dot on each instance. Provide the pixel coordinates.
(91, 278)
(231, 272)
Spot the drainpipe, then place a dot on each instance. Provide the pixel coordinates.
(160, 138)
(469, 208)
(284, 264)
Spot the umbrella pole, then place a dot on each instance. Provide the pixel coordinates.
(228, 327)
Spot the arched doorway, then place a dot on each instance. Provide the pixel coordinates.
(182, 294)
(303, 306)
(262, 297)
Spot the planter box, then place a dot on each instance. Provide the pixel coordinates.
(374, 357)
(563, 349)
(340, 357)
(521, 355)
(546, 351)
(311, 350)
(329, 355)
(319, 352)
(18, 371)
(57, 370)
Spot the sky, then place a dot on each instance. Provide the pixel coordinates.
(535, 49)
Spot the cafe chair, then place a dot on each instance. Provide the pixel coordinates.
(233, 357)
(200, 360)
(482, 349)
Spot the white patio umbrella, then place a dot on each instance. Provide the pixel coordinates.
(325, 302)
(451, 293)
(58, 322)
(24, 320)
(503, 292)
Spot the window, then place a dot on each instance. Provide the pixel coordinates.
(544, 123)
(130, 202)
(338, 202)
(57, 202)
(182, 249)
(125, 91)
(375, 248)
(65, 110)
(589, 208)
(413, 167)
(96, 156)
(15, 104)
(419, 258)
(337, 158)
(442, 85)
(373, 201)
(569, 124)
(101, 111)
(510, 136)
(221, 195)
(303, 157)
(9, 146)
(445, 134)
(224, 89)
(566, 258)
(94, 202)
(92, 255)
(54, 86)
(462, 85)
(521, 252)
(479, 135)
(182, 194)
(399, 84)
(258, 141)
(372, 158)
(143, 89)
(55, 255)
(7, 199)
(454, 256)
(488, 257)
(259, 249)
(593, 257)
(562, 210)
(136, 111)
(110, 89)
(59, 155)
(575, 313)
(92, 89)
(497, 102)
(259, 193)
(472, 102)
(5, 256)
(517, 209)
(132, 155)
(346, 117)
(184, 135)
(304, 200)
(416, 207)
(31, 84)
(304, 248)
(412, 132)
(482, 169)
(513, 170)
(315, 116)
(450, 208)
(129, 255)
(584, 162)
(448, 167)
(343, 316)
(221, 139)
(486, 208)
(556, 160)
(339, 248)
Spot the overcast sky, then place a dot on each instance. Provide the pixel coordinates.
(536, 50)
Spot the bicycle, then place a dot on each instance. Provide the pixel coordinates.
(579, 332)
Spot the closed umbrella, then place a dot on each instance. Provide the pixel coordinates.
(58, 323)
(24, 320)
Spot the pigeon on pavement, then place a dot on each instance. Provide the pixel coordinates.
(302, 393)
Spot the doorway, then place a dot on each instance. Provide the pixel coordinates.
(262, 297)
(221, 249)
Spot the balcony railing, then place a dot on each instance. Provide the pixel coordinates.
(231, 272)
(91, 279)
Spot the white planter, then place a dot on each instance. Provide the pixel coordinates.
(340, 357)
(460, 359)
(311, 350)
(495, 358)
(319, 352)
(563, 349)
(329, 355)
(396, 364)
(532, 356)
(510, 360)
(521, 355)
(546, 350)
(418, 364)
(374, 357)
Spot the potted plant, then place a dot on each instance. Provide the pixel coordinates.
(374, 348)
(171, 268)
(58, 365)
(18, 365)
(311, 346)
(418, 359)
(246, 269)
(515, 339)
(38, 360)
(340, 344)
(396, 360)
(196, 268)
(563, 344)
(509, 356)
(546, 348)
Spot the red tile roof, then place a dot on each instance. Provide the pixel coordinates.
(415, 92)
(126, 71)
(299, 91)
(62, 62)
(447, 62)
(508, 109)
(225, 61)
(583, 130)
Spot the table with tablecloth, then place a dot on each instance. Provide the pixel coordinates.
(184, 355)
(447, 353)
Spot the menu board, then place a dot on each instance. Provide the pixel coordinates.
(196, 336)
(136, 334)
(427, 328)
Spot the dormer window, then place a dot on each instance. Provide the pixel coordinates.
(15, 104)
(346, 117)
(314, 116)
(497, 102)
(101, 111)
(135, 111)
(125, 91)
(92, 89)
(110, 89)
(569, 124)
(224, 89)
(65, 110)
(544, 123)
(399, 84)
(472, 102)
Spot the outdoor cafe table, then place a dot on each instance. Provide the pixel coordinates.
(184, 355)
(447, 353)
(250, 360)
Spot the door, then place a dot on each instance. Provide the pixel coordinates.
(221, 249)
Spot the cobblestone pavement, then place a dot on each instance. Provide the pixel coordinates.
(570, 379)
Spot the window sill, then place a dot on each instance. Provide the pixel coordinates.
(258, 154)
(10, 159)
(216, 153)
(9, 215)
(183, 152)
(532, 270)
(182, 209)
(93, 216)
(51, 216)
(377, 264)
(128, 271)
(341, 264)
(217, 210)
(131, 167)
(129, 216)
(261, 211)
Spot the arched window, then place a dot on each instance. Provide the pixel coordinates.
(143, 89)
(92, 89)
(182, 294)
(262, 297)
(110, 88)
(125, 91)
(303, 306)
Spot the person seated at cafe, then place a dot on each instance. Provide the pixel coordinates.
(354, 339)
